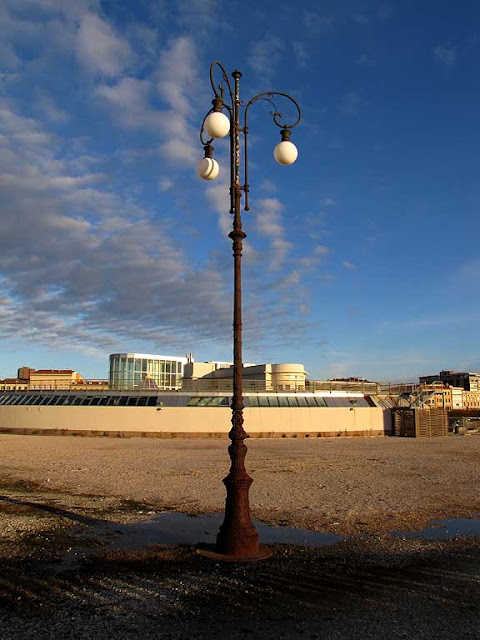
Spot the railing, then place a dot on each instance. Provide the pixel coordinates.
(148, 385)
(198, 385)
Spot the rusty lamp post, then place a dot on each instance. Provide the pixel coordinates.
(237, 539)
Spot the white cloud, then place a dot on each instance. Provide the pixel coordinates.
(349, 265)
(352, 104)
(177, 80)
(365, 60)
(301, 55)
(48, 107)
(99, 49)
(445, 54)
(165, 183)
(266, 54)
(327, 202)
(269, 223)
(204, 14)
(129, 98)
(317, 23)
(268, 186)
(84, 265)
(316, 257)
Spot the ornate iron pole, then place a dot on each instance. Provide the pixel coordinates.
(237, 539)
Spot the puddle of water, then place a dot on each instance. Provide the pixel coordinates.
(179, 528)
(172, 529)
(444, 529)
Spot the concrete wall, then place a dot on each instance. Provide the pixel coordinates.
(195, 421)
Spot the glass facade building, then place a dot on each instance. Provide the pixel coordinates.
(144, 371)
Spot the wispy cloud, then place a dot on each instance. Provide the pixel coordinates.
(268, 186)
(99, 49)
(177, 81)
(94, 266)
(174, 81)
(352, 103)
(205, 15)
(269, 223)
(265, 54)
(301, 54)
(445, 54)
(365, 60)
(129, 102)
(50, 110)
(318, 23)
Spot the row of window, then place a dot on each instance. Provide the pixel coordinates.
(280, 401)
(77, 400)
(107, 400)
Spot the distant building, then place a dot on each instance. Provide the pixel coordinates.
(54, 378)
(50, 380)
(467, 381)
(13, 384)
(471, 400)
(145, 370)
(23, 373)
(194, 370)
(283, 376)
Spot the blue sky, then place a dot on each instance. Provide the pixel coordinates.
(361, 259)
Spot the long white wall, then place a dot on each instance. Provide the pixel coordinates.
(197, 421)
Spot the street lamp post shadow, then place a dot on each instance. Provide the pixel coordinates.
(237, 539)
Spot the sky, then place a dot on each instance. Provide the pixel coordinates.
(361, 259)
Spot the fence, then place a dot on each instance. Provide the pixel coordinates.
(214, 385)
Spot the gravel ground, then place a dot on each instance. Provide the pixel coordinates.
(64, 499)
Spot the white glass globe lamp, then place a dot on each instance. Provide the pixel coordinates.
(208, 168)
(285, 152)
(217, 125)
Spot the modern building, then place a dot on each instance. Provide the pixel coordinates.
(260, 377)
(468, 381)
(146, 371)
(194, 370)
(175, 414)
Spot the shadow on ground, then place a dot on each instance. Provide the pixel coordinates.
(366, 587)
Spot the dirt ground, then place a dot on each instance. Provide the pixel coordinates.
(59, 578)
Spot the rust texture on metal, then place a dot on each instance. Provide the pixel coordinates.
(237, 538)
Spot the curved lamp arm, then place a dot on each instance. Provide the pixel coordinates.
(277, 118)
(220, 91)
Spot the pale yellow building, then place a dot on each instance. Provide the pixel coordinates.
(279, 377)
(54, 379)
(437, 396)
(471, 399)
(13, 384)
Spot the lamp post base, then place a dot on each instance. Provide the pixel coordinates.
(208, 551)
